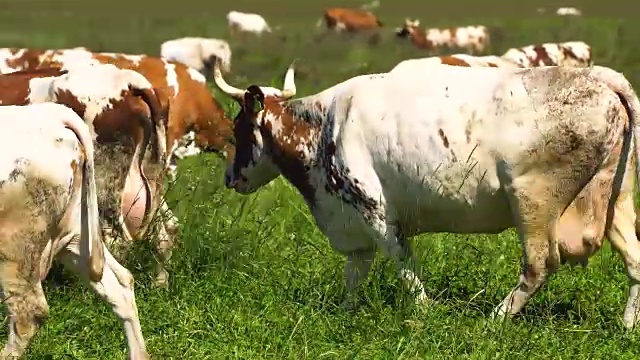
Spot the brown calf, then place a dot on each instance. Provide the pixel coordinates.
(350, 20)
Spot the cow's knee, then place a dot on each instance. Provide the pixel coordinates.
(28, 309)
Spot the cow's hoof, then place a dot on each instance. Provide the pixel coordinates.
(142, 355)
(162, 280)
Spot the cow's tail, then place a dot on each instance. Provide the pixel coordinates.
(141, 87)
(620, 85)
(159, 117)
(90, 237)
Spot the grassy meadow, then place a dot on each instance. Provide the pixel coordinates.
(252, 277)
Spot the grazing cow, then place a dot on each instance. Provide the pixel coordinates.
(197, 52)
(568, 11)
(15, 59)
(197, 121)
(471, 38)
(457, 60)
(49, 210)
(124, 114)
(350, 20)
(245, 22)
(194, 115)
(570, 53)
(468, 150)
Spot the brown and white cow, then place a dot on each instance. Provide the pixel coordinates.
(349, 20)
(125, 116)
(49, 209)
(196, 119)
(14, 59)
(458, 60)
(472, 38)
(570, 53)
(556, 163)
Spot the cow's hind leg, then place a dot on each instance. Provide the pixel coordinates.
(164, 247)
(23, 295)
(116, 288)
(622, 235)
(538, 201)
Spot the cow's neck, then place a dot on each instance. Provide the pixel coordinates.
(292, 137)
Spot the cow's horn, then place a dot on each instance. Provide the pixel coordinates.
(220, 83)
(289, 89)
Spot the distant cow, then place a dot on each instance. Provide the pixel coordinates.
(570, 11)
(570, 53)
(125, 116)
(245, 22)
(546, 150)
(457, 60)
(350, 20)
(471, 38)
(49, 210)
(197, 52)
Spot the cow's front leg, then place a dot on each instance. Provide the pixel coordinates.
(397, 247)
(356, 270)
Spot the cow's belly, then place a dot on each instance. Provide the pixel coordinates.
(451, 198)
(488, 213)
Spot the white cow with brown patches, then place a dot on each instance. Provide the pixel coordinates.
(467, 150)
(49, 210)
(196, 120)
(472, 38)
(125, 117)
(570, 53)
(457, 60)
(197, 52)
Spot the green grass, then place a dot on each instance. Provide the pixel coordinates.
(253, 278)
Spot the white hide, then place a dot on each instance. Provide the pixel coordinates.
(248, 22)
(43, 140)
(195, 51)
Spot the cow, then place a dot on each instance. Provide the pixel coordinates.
(474, 39)
(49, 210)
(457, 60)
(349, 20)
(125, 116)
(570, 53)
(194, 114)
(197, 52)
(14, 59)
(568, 11)
(196, 120)
(380, 158)
(246, 22)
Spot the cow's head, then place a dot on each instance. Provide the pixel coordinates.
(252, 166)
(410, 28)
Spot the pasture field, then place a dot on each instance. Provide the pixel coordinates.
(253, 278)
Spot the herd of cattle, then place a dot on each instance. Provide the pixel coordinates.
(480, 145)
